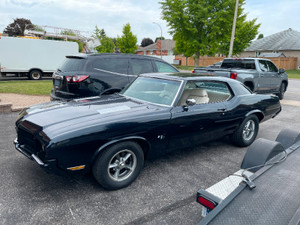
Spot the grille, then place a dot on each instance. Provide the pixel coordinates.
(30, 143)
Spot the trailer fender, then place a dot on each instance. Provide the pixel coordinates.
(259, 153)
(288, 137)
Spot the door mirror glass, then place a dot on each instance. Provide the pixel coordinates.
(281, 70)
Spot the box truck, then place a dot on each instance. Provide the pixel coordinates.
(33, 57)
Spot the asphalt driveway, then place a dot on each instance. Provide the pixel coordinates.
(164, 193)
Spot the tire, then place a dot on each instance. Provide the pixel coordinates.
(281, 91)
(119, 165)
(247, 132)
(35, 75)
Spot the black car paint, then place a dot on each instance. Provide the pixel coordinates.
(74, 133)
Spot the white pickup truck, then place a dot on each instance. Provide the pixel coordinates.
(33, 57)
(258, 74)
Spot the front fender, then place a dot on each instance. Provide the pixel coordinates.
(133, 138)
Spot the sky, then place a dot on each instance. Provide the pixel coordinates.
(112, 15)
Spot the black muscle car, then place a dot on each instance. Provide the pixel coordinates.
(112, 135)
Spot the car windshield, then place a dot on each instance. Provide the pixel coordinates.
(154, 90)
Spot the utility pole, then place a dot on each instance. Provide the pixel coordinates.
(233, 28)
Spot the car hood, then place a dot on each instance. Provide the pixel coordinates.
(56, 118)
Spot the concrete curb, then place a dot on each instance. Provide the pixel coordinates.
(5, 107)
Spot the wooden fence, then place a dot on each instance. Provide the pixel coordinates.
(287, 63)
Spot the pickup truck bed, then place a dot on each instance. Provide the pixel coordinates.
(275, 200)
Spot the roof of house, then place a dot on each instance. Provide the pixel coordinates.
(167, 44)
(284, 40)
(271, 55)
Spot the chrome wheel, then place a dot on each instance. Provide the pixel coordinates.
(122, 165)
(249, 130)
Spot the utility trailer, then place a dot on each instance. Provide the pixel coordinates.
(33, 57)
(265, 191)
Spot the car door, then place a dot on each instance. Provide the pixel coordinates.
(195, 124)
(265, 77)
(275, 81)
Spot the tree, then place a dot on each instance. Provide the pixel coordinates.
(204, 27)
(260, 36)
(159, 38)
(18, 27)
(99, 33)
(127, 42)
(146, 41)
(107, 45)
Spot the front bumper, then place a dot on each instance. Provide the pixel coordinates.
(49, 165)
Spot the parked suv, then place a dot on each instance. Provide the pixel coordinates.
(87, 75)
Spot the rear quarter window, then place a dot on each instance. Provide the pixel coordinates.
(164, 67)
(73, 64)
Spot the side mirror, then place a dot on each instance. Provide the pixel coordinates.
(281, 71)
(190, 101)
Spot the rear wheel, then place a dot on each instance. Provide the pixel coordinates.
(35, 75)
(247, 131)
(119, 165)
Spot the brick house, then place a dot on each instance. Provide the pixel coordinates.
(165, 46)
(285, 43)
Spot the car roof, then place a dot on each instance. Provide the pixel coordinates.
(187, 76)
(111, 55)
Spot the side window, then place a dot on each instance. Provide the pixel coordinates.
(272, 67)
(140, 66)
(114, 65)
(205, 92)
(263, 66)
(164, 67)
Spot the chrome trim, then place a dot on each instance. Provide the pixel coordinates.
(38, 160)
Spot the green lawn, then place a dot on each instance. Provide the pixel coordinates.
(293, 74)
(184, 67)
(40, 87)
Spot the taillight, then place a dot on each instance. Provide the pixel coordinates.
(69, 78)
(207, 199)
(76, 79)
(207, 203)
(233, 76)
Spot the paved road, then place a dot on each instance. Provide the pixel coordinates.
(164, 193)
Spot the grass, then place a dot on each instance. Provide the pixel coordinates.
(293, 74)
(41, 87)
(185, 67)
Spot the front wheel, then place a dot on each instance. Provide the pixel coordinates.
(281, 91)
(119, 165)
(247, 132)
